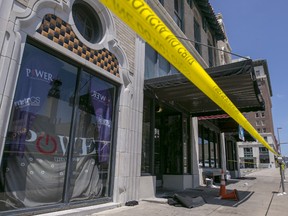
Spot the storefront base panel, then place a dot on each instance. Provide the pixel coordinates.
(147, 187)
(84, 210)
(235, 174)
(177, 182)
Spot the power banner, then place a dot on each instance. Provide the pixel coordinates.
(39, 143)
(142, 19)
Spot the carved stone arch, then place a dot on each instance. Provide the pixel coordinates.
(30, 19)
(109, 40)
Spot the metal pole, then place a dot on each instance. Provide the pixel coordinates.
(279, 144)
(282, 180)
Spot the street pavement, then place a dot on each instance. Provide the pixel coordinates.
(260, 194)
(262, 187)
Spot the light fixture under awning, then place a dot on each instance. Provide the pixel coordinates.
(237, 80)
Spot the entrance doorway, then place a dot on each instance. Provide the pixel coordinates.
(165, 143)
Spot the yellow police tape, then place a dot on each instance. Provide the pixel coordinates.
(142, 19)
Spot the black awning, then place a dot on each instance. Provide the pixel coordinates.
(237, 80)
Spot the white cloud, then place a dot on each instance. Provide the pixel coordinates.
(280, 96)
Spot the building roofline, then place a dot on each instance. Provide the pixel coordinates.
(208, 13)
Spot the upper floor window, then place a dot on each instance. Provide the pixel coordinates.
(204, 23)
(264, 155)
(178, 13)
(210, 54)
(262, 114)
(190, 2)
(257, 115)
(156, 65)
(87, 22)
(248, 152)
(197, 36)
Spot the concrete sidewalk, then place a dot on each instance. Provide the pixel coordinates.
(265, 199)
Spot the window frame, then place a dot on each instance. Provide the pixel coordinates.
(178, 13)
(81, 67)
(197, 36)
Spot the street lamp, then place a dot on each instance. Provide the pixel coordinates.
(279, 143)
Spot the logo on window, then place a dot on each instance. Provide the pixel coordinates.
(30, 101)
(39, 75)
(100, 97)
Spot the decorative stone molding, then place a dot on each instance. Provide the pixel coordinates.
(23, 2)
(61, 33)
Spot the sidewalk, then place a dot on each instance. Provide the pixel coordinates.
(259, 191)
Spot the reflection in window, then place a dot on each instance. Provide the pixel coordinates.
(91, 152)
(212, 149)
(146, 134)
(156, 65)
(206, 147)
(209, 149)
(200, 142)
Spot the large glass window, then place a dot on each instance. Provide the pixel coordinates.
(200, 142)
(209, 148)
(146, 137)
(217, 149)
(58, 145)
(206, 147)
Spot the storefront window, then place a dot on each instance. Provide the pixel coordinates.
(206, 147)
(217, 150)
(146, 137)
(264, 155)
(212, 149)
(209, 149)
(58, 145)
(200, 142)
(200, 152)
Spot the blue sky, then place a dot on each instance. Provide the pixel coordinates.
(259, 29)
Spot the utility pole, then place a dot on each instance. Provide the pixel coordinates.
(283, 162)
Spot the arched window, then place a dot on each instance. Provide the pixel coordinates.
(87, 22)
